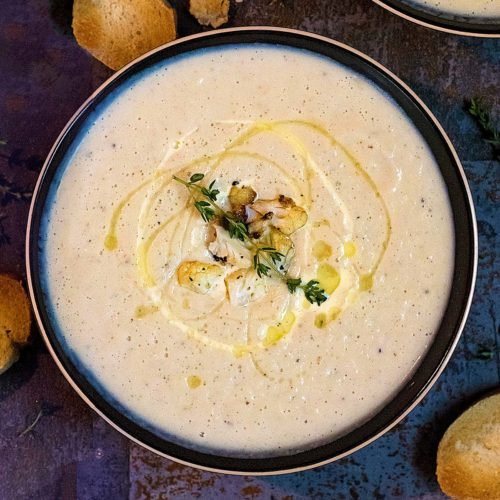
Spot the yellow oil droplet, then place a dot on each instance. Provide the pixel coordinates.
(334, 313)
(185, 304)
(328, 278)
(365, 282)
(110, 242)
(240, 350)
(193, 381)
(320, 321)
(141, 311)
(276, 333)
(349, 249)
(322, 250)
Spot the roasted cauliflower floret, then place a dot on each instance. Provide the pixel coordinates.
(210, 12)
(280, 241)
(244, 286)
(259, 225)
(199, 277)
(286, 215)
(239, 198)
(293, 220)
(226, 249)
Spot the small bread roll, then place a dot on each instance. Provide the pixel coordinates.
(118, 31)
(468, 459)
(15, 320)
(210, 12)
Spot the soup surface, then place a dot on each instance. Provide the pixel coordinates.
(217, 357)
(467, 8)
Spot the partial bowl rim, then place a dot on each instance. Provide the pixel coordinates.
(264, 466)
(440, 23)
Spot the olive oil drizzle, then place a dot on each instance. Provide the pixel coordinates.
(310, 168)
(111, 241)
(366, 176)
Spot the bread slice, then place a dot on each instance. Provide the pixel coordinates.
(15, 310)
(9, 353)
(15, 320)
(468, 459)
(210, 12)
(118, 31)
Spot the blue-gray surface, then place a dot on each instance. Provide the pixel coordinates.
(71, 452)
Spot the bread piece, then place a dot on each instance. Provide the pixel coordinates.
(118, 31)
(15, 310)
(9, 353)
(468, 459)
(210, 12)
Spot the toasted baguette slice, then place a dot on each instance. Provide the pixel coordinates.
(118, 31)
(15, 310)
(210, 12)
(468, 459)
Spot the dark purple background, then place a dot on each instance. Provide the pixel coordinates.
(72, 453)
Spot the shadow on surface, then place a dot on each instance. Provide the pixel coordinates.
(61, 14)
(22, 371)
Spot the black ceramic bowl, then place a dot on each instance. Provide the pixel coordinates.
(442, 21)
(452, 323)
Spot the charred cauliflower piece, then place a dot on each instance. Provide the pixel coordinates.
(286, 215)
(210, 12)
(225, 249)
(244, 286)
(259, 225)
(199, 277)
(293, 220)
(280, 241)
(239, 198)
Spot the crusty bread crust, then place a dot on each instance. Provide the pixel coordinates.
(15, 320)
(210, 12)
(468, 459)
(9, 353)
(15, 310)
(118, 31)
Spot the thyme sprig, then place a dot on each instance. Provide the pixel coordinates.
(209, 209)
(267, 260)
(274, 258)
(477, 108)
(312, 291)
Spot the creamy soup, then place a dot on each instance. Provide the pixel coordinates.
(243, 365)
(468, 8)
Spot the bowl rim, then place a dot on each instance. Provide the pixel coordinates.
(438, 23)
(31, 246)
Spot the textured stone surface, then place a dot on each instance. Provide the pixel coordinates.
(71, 452)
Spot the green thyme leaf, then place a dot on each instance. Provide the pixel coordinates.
(237, 229)
(293, 284)
(477, 108)
(196, 178)
(210, 192)
(313, 293)
(206, 212)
